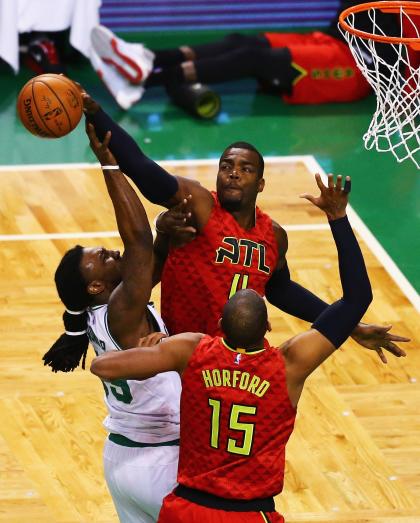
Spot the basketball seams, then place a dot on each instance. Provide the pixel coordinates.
(68, 83)
(61, 103)
(27, 93)
(34, 81)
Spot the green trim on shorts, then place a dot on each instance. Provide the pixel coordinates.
(125, 442)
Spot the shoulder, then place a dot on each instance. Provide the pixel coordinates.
(281, 237)
(204, 353)
(192, 339)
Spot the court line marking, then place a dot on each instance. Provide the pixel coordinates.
(163, 163)
(115, 234)
(57, 236)
(312, 166)
(385, 259)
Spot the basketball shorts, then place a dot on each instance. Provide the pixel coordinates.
(327, 70)
(138, 479)
(179, 510)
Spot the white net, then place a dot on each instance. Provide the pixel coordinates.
(393, 71)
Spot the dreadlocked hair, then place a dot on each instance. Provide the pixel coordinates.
(71, 347)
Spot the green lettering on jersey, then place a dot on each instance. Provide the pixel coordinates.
(119, 389)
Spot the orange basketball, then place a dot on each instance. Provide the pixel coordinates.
(49, 105)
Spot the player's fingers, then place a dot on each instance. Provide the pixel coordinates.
(347, 185)
(80, 88)
(90, 129)
(179, 216)
(187, 230)
(186, 202)
(394, 349)
(175, 215)
(176, 225)
(382, 355)
(319, 182)
(338, 182)
(107, 139)
(86, 99)
(394, 337)
(182, 213)
(383, 328)
(180, 206)
(307, 196)
(158, 336)
(151, 339)
(330, 181)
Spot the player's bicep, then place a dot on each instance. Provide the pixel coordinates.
(201, 202)
(282, 244)
(178, 349)
(128, 301)
(304, 353)
(145, 362)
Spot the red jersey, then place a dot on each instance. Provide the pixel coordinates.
(236, 418)
(200, 277)
(328, 71)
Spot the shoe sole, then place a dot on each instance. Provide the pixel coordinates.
(106, 45)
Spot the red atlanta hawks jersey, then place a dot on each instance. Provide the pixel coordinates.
(201, 276)
(236, 418)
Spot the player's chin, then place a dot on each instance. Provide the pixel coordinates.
(231, 203)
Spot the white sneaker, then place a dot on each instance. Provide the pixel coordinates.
(133, 61)
(121, 89)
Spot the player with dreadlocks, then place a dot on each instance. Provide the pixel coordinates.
(106, 296)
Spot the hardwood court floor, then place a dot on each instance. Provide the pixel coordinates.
(355, 453)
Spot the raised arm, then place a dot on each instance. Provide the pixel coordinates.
(154, 182)
(289, 296)
(127, 303)
(172, 354)
(173, 229)
(304, 353)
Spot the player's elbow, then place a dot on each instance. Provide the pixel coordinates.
(365, 297)
(359, 302)
(369, 296)
(102, 368)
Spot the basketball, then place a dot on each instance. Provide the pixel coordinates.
(50, 105)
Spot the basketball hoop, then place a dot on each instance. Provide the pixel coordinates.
(391, 65)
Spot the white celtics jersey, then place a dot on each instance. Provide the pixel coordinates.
(145, 411)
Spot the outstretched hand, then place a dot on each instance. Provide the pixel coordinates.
(333, 198)
(89, 104)
(378, 337)
(90, 107)
(174, 222)
(101, 149)
(151, 339)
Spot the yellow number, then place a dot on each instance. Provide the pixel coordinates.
(235, 283)
(234, 424)
(215, 419)
(246, 428)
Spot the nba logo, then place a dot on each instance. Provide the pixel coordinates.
(237, 359)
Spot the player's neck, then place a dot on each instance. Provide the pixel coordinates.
(246, 218)
(257, 347)
(101, 299)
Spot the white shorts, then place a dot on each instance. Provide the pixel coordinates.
(138, 479)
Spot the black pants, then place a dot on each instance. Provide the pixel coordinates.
(234, 57)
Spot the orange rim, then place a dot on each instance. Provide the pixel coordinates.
(411, 8)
